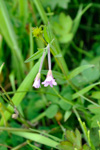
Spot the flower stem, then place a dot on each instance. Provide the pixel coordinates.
(42, 59)
(63, 98)
(49, 57)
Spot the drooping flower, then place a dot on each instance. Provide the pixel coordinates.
(36, 83)
(49, 80)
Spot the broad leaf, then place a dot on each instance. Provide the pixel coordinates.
(51, 111)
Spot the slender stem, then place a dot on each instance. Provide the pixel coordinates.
(42, 59)
(41, 11)
(38, 117)
(90, 101)
(78, 117)
(33, 146)
(5, 146)
(3, 96)
(49, 57)
(86, 8)
(7, 95)
(31, 46)
(81, 50)
(20, 146)
(64, 99)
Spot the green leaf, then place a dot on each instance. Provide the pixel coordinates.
(45, 31)
(31, 51)
(70, 135)
(66, 38)
(58, 55)
(78, 70)
(96, 95)
(66, 22)
(50, 95)
(78, 138)
(85, 147)
(95, 133)
(12, 80)
(85, 90)
(93, 109)
(64, 105)
(77, 19)
(23, 10)
(63, 28)
(89, 74)
(53, 4)
(34, 56)
(94, 120)
(67, 115)
(67, 93)
(37, 138)
(65, 145)
(51, 111)
(74, 138)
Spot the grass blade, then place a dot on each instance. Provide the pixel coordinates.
(10, 36)
(37, 138)
(31, 46)
(23, 10)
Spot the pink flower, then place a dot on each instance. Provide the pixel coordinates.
(36, 83)
(49, 80)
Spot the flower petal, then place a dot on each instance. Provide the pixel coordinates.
(36, 83)
(49, 80)
(46, 84)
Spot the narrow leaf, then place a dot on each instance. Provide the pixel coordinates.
(78, 70)
(85, 90)
(37, 138)
(34, 56)
(9, 35)
(23, 10)
(67, 115)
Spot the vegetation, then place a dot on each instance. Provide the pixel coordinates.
(37, 36)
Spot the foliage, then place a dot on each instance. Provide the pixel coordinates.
(67, 115)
